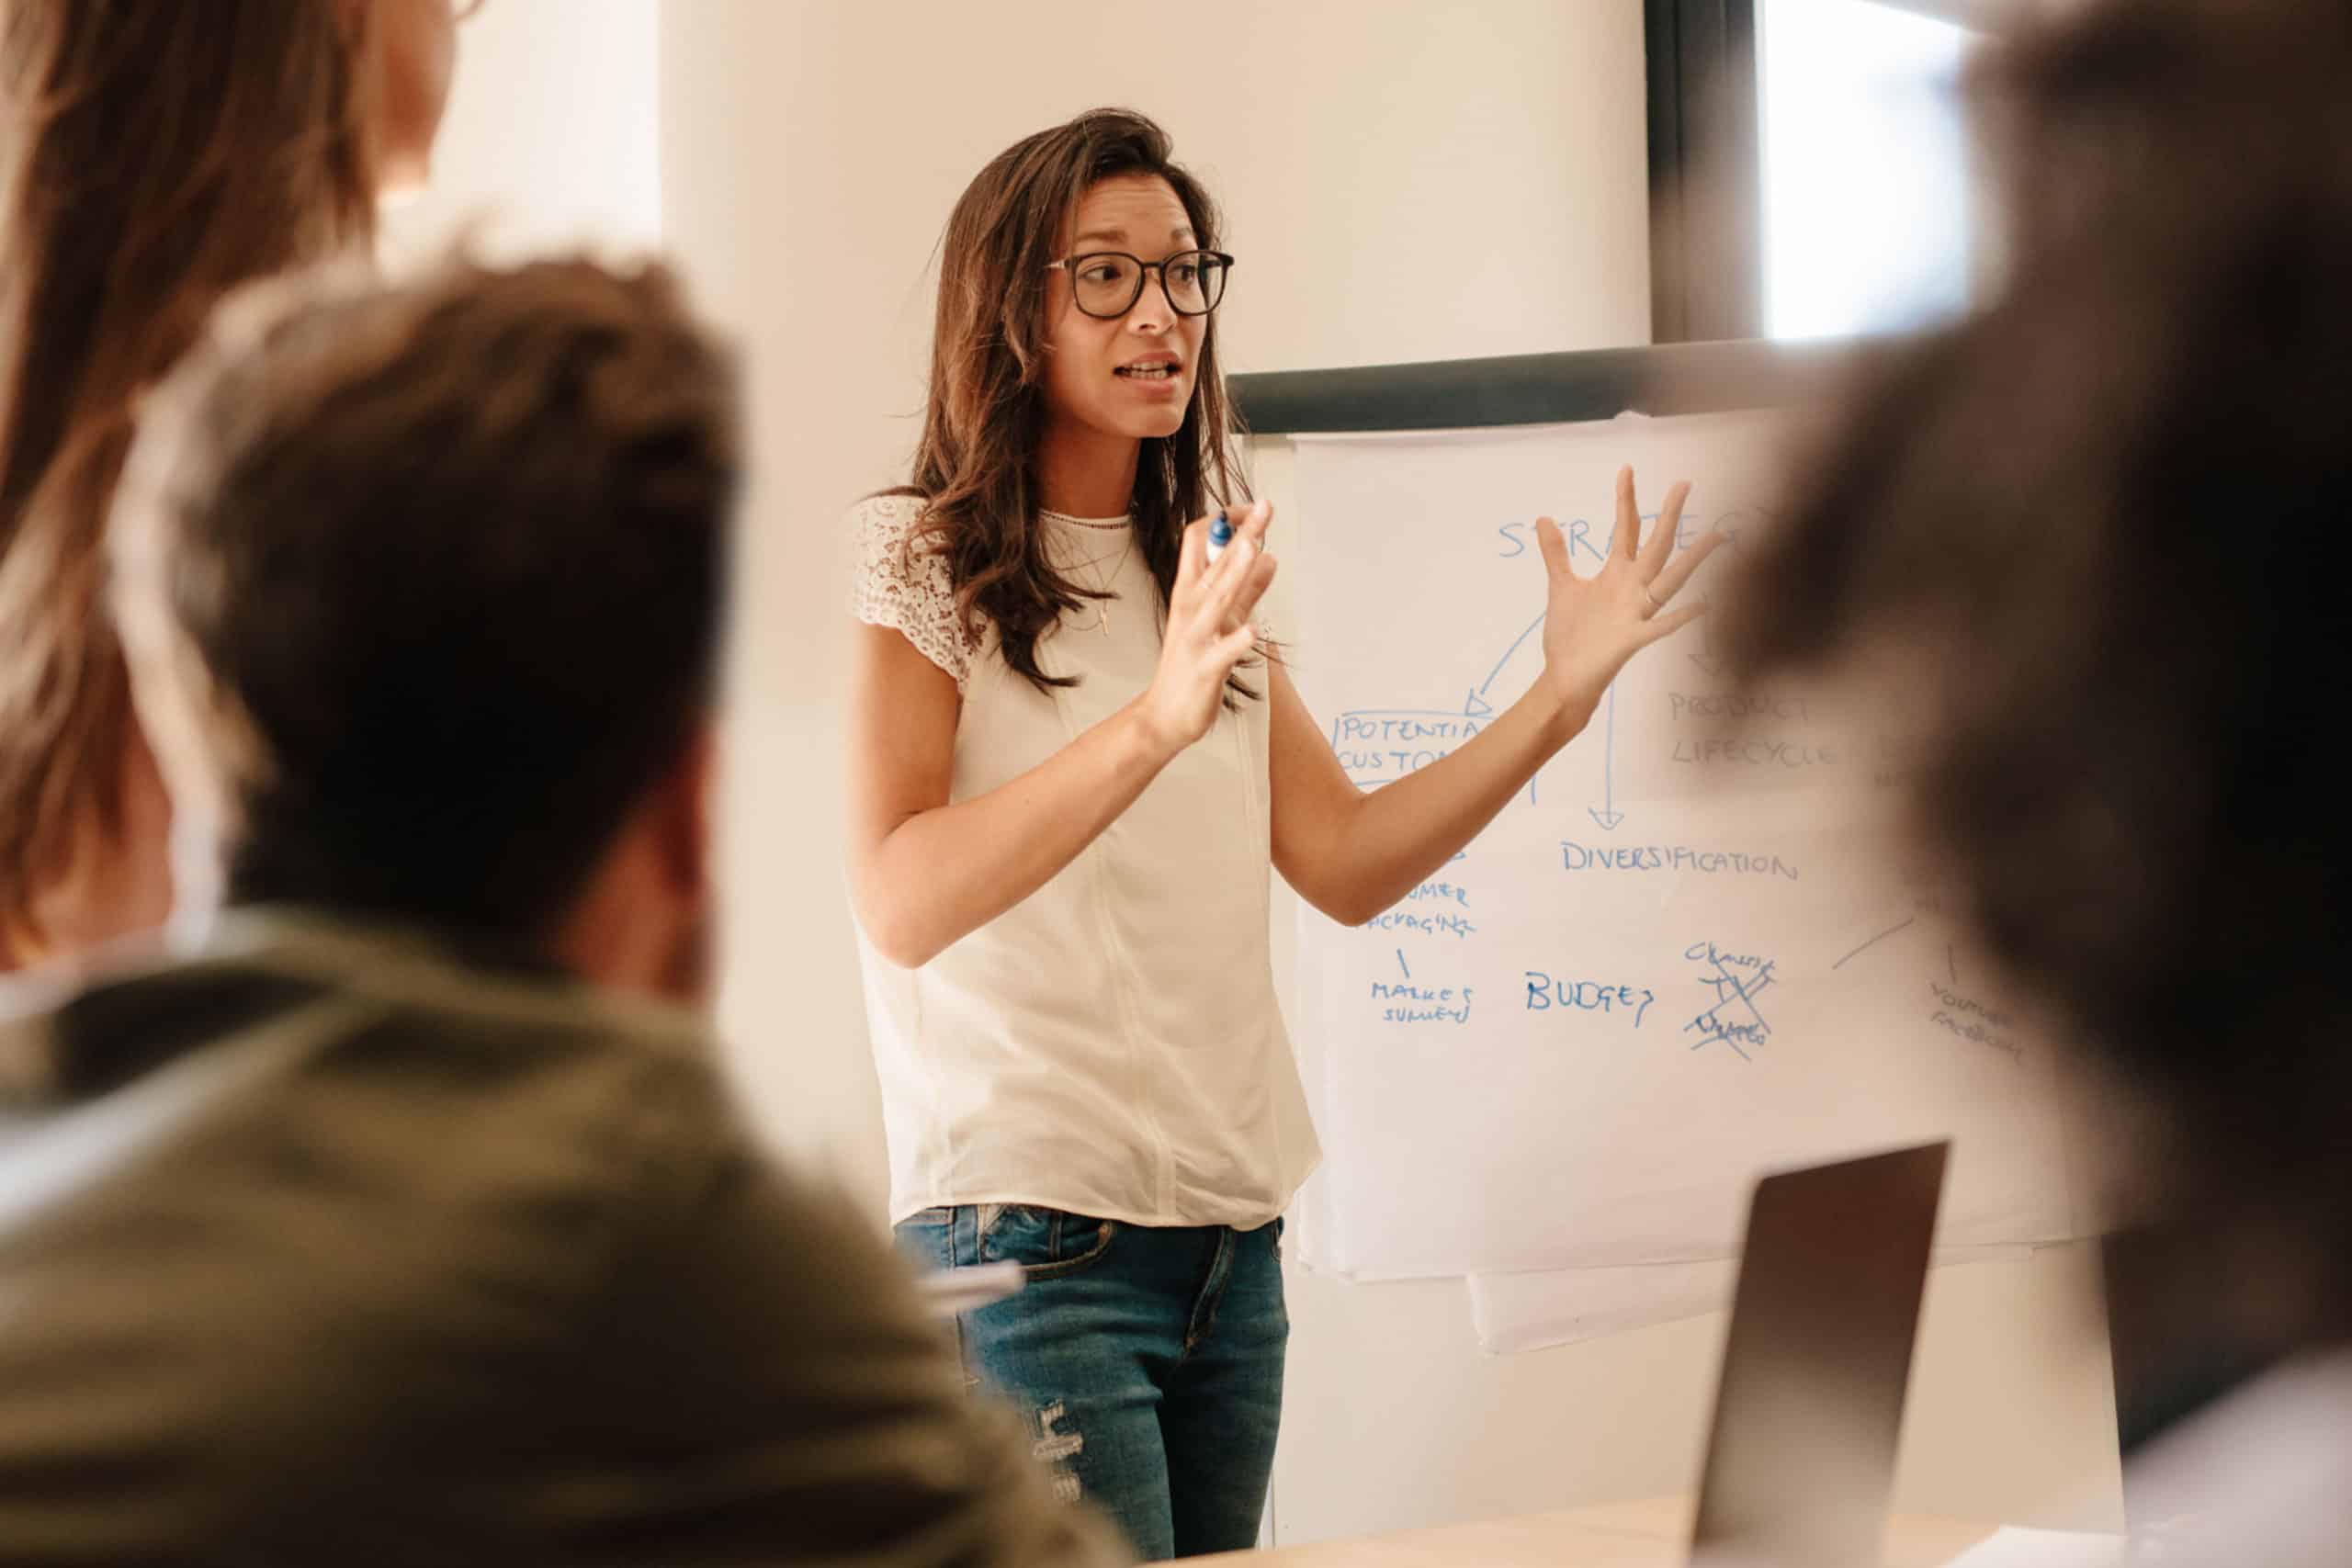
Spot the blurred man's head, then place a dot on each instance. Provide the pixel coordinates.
(422, 588)
(2102, 533)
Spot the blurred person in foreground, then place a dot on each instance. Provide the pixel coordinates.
(153, 159)
(400, 1216)
(2098, 535)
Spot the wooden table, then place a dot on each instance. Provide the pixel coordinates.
(1652, 1534)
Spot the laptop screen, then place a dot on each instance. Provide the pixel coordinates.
(1801, 1460)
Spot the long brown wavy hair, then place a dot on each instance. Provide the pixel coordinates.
(153, 158)
(975, 467)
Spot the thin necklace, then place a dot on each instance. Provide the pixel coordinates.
(1102, 584)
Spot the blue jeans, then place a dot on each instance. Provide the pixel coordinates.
(1147, 1360)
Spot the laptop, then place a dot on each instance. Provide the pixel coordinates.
(1801, 1457)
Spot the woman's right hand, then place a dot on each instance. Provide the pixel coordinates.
(1209, 627)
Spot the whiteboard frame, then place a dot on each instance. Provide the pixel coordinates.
(1547, 388)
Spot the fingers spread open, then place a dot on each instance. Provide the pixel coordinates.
(1629, 517)
(1669, 582)
(1554, 544)
(1667, 623)
(1669, 523)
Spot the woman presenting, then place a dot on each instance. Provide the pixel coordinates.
(1074, 765)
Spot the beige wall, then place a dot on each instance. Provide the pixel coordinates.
(1401, 182)
(551, 135)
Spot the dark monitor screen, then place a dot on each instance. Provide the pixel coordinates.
(1801, 1460)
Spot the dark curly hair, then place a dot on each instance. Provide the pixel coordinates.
(2109, 519)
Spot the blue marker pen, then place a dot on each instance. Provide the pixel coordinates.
(1220, 535)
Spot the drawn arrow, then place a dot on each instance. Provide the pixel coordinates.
(1503, 663)
(1707, 657)
(1606, 812)
(1477, 707)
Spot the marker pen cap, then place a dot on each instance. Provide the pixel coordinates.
(1220, 535)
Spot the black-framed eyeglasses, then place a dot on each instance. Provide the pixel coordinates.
(1106, 284)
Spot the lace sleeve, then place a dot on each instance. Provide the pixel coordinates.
(907, 590)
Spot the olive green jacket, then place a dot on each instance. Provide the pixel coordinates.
(325, 1245)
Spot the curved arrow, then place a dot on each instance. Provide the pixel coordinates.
(1503, 663)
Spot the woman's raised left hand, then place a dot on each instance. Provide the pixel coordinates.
(1593, 624)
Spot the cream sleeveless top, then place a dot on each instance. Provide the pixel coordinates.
(1110, 1046)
